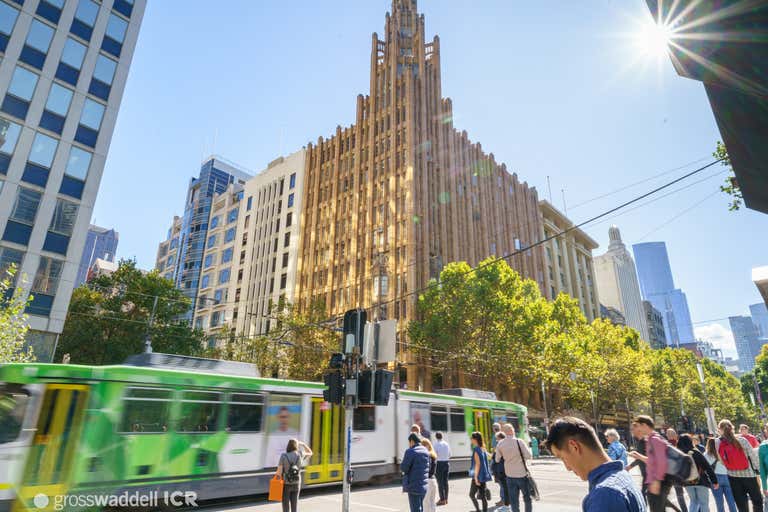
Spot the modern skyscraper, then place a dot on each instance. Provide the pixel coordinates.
(101, 243)
(657, 338)
(658, 287)
(747, 343)
(617, 284)
(64, 67)
(759, 314)
(569, 261)
(400, 192)
(216, 174)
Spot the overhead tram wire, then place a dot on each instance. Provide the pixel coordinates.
(556, 235)
(677, 216)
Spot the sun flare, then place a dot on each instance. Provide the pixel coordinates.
(653, 39)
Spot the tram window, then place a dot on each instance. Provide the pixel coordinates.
(457, 420)
(364, 419)
(439, 418)
(199, 412)
(245, 413)
(13, 405)
(145, 410)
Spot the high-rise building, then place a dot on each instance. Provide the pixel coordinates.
(655, 321)
(64, 67)
(252, 250)
(658, 287)
(617, 284)
(569, 260)
(747, 342)
(759, 313)
(400, 192)
(216, 174)
(101, 243)
(612, 314)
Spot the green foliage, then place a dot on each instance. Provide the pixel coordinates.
(109, 318)
(13, 321)
(731, 186)
(497, 329)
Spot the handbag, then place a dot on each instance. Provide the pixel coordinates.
(532, 487)
(276, 488)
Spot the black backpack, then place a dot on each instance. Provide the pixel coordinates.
(293, 474)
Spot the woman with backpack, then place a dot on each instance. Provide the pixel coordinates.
(698, 489)
(723, 494)
(740, 460)
(480, 472)
(289, 469)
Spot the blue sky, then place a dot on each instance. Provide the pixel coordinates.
(556, 89)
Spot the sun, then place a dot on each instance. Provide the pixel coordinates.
(653, 39)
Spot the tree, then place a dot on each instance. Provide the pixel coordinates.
(13, 321)
(109, 318)
(731, 186)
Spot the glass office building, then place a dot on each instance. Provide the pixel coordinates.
(63, 67)
(101, 243)
(658, 287)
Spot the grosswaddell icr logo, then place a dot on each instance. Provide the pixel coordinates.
(123, 500)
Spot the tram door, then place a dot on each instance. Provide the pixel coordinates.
(53, 449)
(327, 443)
(483, 425)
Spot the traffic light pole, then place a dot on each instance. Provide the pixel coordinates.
(347, 487)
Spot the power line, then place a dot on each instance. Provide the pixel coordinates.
(677, 216)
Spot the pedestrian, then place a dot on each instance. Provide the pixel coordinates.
(639, 455)
(616, 450)
(514, 452)
(723, 494)
(700, 442)
(430, 498)
(762, 455)
(752, 440)
(672, 438)
(698, 490)
(415, 470)
(289, 469)
(497, 470)
(611, 489)
(535, 447)
(740, 460)
(656, 463)
(480, 472)
(496, 427)
(443, 450)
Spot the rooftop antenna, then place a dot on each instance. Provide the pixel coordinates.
(549, 187)
(565, 206)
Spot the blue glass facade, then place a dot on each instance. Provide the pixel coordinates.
(658, 287)
(101, 243)
(759, 314)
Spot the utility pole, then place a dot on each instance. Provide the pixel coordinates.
(148, 337)
(544, 404)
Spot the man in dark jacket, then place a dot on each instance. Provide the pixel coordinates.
(415, 470)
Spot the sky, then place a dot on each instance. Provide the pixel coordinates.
(562, 92)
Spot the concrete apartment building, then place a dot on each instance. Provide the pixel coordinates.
(401, 191)
(63, 71)
(569, 261)
(168, 250)
(250, 257)
(617, 283)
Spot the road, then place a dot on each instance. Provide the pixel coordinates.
(561, 492)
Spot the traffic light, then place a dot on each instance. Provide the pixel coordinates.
(334, 392)
(354, 330)
(383, 385)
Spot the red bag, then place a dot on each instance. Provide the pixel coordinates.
(276, 488)
(733, 457)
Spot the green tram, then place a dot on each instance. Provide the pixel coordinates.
(161, 423)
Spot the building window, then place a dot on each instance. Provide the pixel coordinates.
(215, 318)
(115, 35)
(287, 240)
(37, 44)
(283, 281)
(289, 220)
(290, 200)
(8, 17)
(9, 135)
(224, 276)
(285, 260)
(103, 74)
(249, 203)
(62, 224)
(218, 295)
(226, 256)
(229, 235)
(90, 123)
(44, 286)
(124, 7)
(211, 241)
(85, 19)
(232, 216)
(214, 222)
(71, 61)
(40, 159)
(208, 261)
(56, 108)
(292, 181)
(75, 173)
(205, 281)
(50, 10)
(10, 257)
(20, 92)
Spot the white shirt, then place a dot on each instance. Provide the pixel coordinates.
(443, 450)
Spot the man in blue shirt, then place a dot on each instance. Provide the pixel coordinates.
(611, 488)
